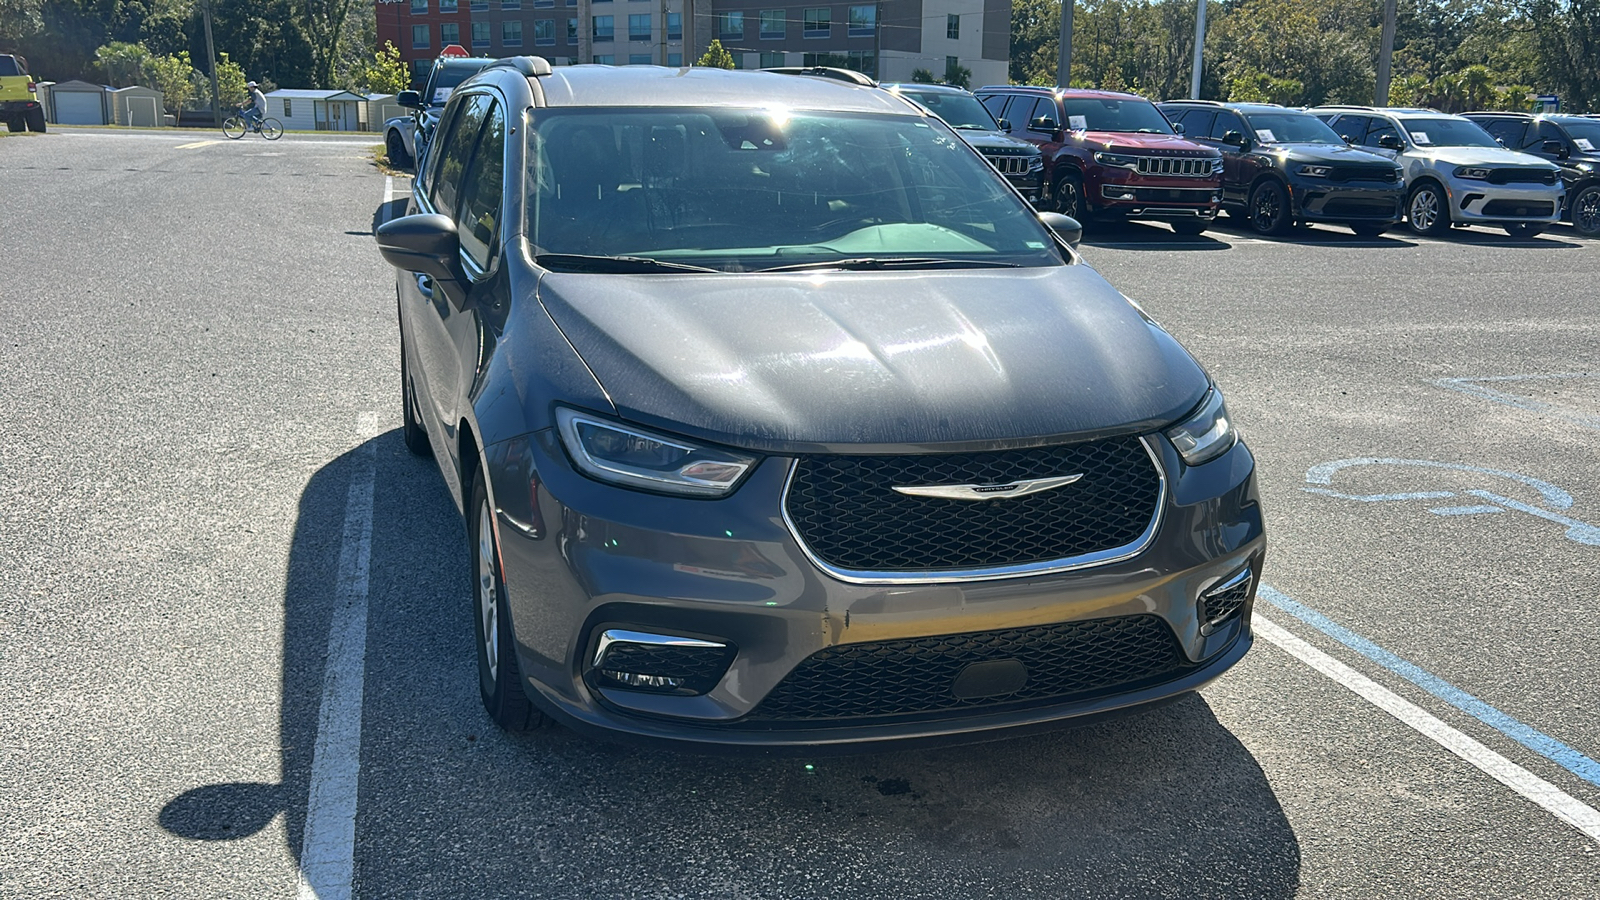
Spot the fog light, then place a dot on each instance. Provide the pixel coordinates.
(647, 682)
(658, 663)
(1118, 193)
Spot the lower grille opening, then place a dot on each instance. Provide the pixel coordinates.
(1519, 208)
(984, 671)
(1223, 602)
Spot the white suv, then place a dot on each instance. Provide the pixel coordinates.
(1456, 173)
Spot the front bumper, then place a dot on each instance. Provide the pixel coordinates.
(1127, 195)
(1318, 200)
(1482, 203)
(589, 557)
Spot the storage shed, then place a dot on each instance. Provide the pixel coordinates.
(137, 106)
(78, 103)
(307, 110)
(381, 107)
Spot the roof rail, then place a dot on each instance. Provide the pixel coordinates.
(529, 66)
(850, 75)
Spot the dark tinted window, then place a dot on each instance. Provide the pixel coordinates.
(1547, 131)
(1507, 131)
(448, 76)
(994, 103)
(1195, 122)
(1042, 107)
(1225, 122)
(478, 223)
(454, 153)
(1351, 128)
(9, 66)
(1290, 127)
(957, 110)
(1377, 130)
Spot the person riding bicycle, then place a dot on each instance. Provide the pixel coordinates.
(257, 109)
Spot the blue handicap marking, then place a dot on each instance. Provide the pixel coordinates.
(1554, 498)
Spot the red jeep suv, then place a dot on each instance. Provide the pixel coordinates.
(1113, 156)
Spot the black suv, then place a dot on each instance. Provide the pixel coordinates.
(1571, 142)
(779, 420)
(407, 136)
(1283, 166)
(1018, 160)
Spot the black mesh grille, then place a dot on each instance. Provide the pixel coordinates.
(847, 513)
(699, 667)
(1522, 176)
(1074, 660)
(1361, 208)
(1384, 174)
(1223, 605)
(1174, 195)
(1518, 208)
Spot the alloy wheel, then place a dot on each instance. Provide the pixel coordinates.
(1067, 199)
(1424, 210)
(1586, 212)
(1267, 209)
(488, 593)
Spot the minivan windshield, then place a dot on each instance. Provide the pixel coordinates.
(742, 190)
(1113, 114)
(1447, 133)
(957, 110)
(1291, 128)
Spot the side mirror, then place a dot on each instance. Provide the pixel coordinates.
(425, 242)
(1391, 142)
(1177, 128)
(1005, 125)
(1044, 123)
(1558, 149)
(1347, 139)
(1068, 229)
(1234, 138)
(409, 99)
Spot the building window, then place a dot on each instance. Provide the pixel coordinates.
(544, 32)
(288, 108)
(603, 29)
(674, 26)
(818, 22)
(639, 28)
(511, 32)
(516, 4)
(418, 7)
(675, 60)
(605, 59)
(952, 27)
(772, 25)
(730, 25)
(448, 6)
(419, 37)
(950, 62)
(450, 33)
(572, 31)
(864, 61)
(639, 59)
(480, 5)
(772, 60)
(862, 20)
(480, 34)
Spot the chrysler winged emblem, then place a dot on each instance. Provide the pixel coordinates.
(988, 491)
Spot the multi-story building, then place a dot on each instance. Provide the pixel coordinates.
(888, 40)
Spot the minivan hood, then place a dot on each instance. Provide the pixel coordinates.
(1128, 140)
(887, 360)
(1480, 156)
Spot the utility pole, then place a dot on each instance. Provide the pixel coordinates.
(1199, 47)
(877, 41)
(211, 58)
(1385, 54)
(1064, 59)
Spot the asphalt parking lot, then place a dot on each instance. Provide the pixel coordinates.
(202, 480)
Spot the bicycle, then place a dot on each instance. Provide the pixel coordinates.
(234, 127)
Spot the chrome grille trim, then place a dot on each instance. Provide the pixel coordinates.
(1179, 166)
(1010, 165)
(1020, 570)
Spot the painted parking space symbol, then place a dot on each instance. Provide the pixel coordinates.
(1471, 502)
(1534, 393)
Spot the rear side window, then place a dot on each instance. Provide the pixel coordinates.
(1378, 130)
(1351, 128)
(9, 66)
(1508, 131)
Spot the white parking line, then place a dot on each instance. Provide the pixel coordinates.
(1549, 797)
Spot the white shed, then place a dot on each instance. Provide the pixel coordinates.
(137, 106)
(78, 103)
(306, 110)
(381, 107)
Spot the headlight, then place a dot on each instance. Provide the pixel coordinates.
(1206, 434)
(1472, 173)
(1216, 166)
(1116, 159)
(1035, 164)
(634, 458)
(1316, 171)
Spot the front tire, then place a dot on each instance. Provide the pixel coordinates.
(397, 152)
(1428, 212)
(499, 677)
(271, 129)
(1269, 211)
(1586, 211)
(1067, 196)
(233, 128)
(1525, 230)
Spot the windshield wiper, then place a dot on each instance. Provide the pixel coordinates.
(894, 262)
(614, 264)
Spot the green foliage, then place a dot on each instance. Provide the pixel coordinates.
(383, 73)
(231, 90)
(716, 57)
(175, 78)
(958, 75)
(121, 63)
(1258, 87)
(922, 76)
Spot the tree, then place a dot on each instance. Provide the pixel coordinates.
(175, 78)
(958, 75)
(921, 76)
(716, 57)
(122, 63)
(384, 73)
(323, 23)
(231, 90)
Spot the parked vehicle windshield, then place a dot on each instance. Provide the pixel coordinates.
(1447, 133)
(1112, 114)
(1291, 128)
(752, 189)
(1584, 132)
(957, 110)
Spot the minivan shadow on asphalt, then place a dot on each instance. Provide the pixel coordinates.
(1161, 803)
